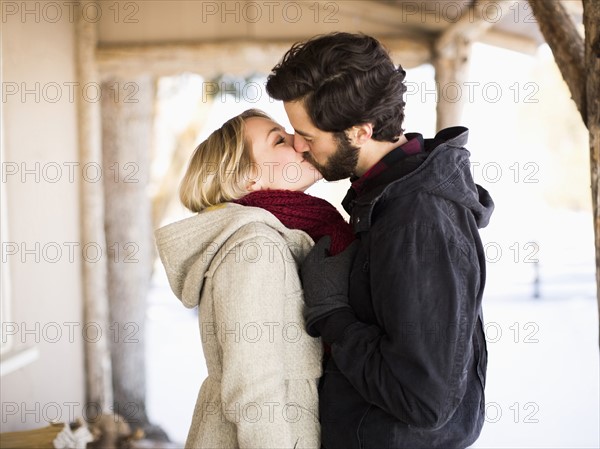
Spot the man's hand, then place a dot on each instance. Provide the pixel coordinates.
(325, 281)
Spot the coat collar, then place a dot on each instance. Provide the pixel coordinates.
(361, 208)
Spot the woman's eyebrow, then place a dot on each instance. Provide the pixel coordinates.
(275, 128)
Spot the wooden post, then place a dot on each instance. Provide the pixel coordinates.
(451, 66)
(452, 51)
(127, 113)
(591, 20)
(97, 353)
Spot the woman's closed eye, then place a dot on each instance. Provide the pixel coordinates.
(284, 139)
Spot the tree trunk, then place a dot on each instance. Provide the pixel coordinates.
(579, 64)
(127, 112)
(567, 46)
(591, 19)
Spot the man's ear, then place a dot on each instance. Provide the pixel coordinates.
(360, 134)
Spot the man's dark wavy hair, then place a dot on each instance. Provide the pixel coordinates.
(344, 80)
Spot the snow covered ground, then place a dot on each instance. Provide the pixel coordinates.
(543, 373)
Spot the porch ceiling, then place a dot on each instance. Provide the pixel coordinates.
(170, 21)
(179, 34)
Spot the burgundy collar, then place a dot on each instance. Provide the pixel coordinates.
(414, 145)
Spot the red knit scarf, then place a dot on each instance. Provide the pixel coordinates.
(298, 210)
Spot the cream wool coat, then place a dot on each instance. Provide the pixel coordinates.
(240, 266)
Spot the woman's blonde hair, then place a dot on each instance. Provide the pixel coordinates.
(220, 167)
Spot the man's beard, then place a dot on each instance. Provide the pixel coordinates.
(342, 163)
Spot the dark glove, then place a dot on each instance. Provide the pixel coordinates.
(325, 281)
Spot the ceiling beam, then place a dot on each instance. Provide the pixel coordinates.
(510, 41)
(473, 25)
(409, 17)
(235, 57)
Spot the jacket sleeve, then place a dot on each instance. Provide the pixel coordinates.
(249, 297)
(424, 289)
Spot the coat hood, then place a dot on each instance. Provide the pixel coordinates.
(447, 173)
(444, 172)
(187, 248)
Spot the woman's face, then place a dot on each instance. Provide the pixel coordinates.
(278, 165)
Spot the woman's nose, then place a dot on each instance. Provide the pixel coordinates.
(300, 144)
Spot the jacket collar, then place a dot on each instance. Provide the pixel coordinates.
(361, 207)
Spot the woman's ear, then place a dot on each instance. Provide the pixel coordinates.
(252, 178)
(360, 134)
(253, 186)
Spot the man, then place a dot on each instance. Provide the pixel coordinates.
(408, 354)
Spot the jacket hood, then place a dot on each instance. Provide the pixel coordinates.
(445, 172)
(187, 248)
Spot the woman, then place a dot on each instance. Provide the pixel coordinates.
(237, 259)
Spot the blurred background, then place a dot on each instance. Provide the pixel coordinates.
(99, 121)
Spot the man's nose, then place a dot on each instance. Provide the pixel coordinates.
(300, 144)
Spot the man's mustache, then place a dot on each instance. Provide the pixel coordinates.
(308, 157)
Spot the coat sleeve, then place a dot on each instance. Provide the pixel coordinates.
(249, 297)
(413, 363)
